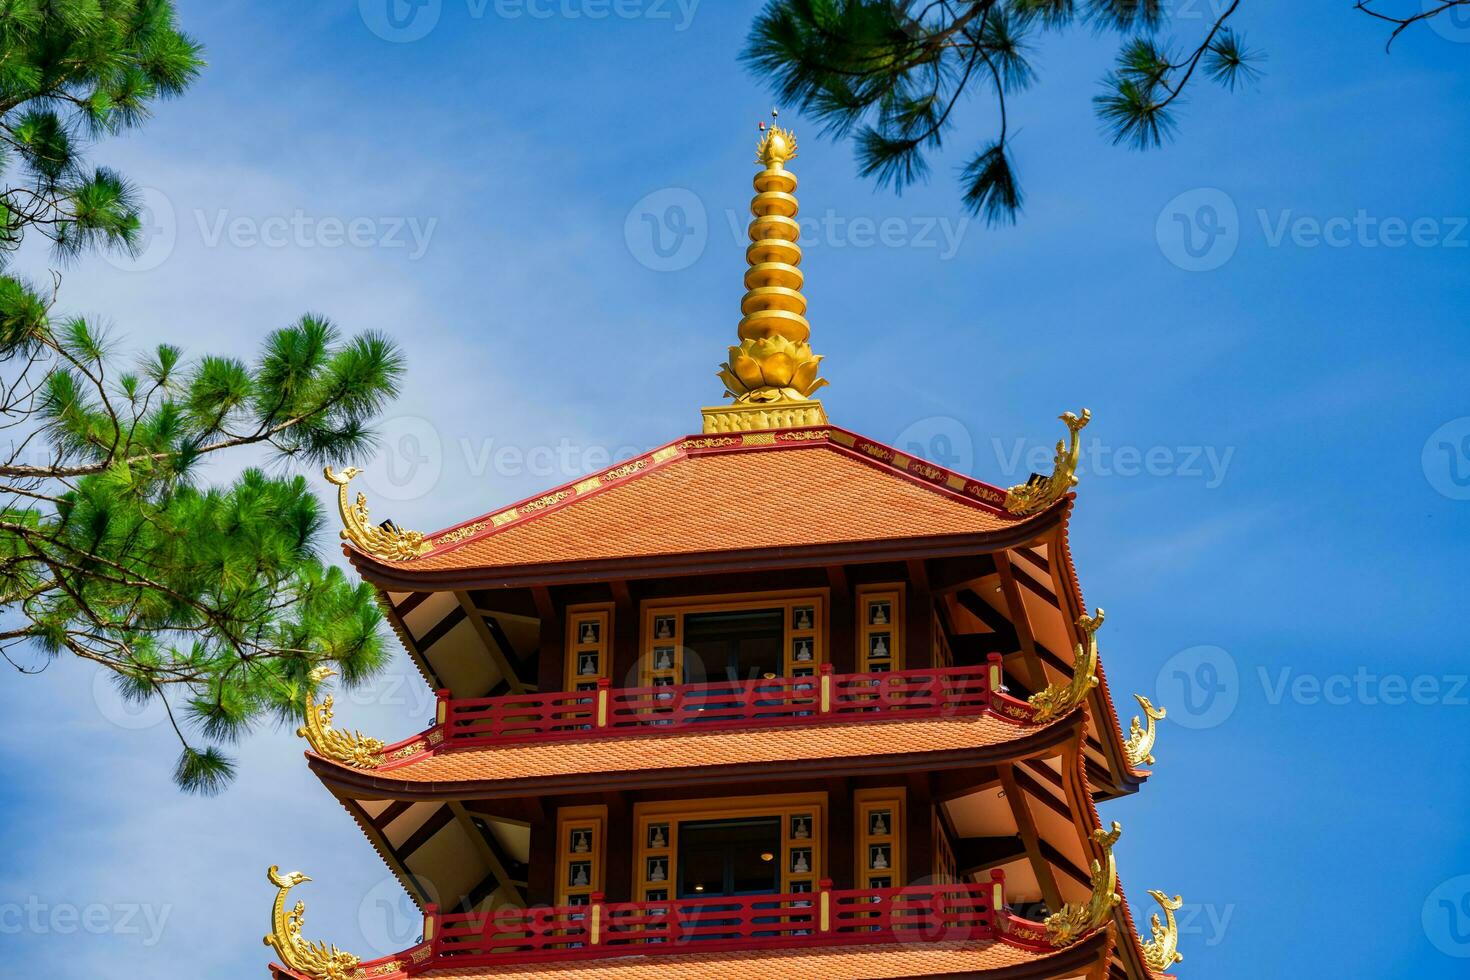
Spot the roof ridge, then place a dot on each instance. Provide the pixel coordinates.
(922, 472)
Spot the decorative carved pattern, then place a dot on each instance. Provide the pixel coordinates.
(349, 748)
(460, 534)
(1061, 698)
(1073, 922)
(1040, 492)
(627, 469)
(1162, 951)
(316, 960)
(541, 503)
(1140, 745)
(388, 541)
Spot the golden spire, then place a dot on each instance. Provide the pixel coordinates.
(773, 372)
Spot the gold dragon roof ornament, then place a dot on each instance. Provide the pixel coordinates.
(316, 960)
(1073, 921)
(1058, 699)
(772, 373)
(349, 748)
(1139, 747)
(387, 540)
(1162, 951)
(1040, 492)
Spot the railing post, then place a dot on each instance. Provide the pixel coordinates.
(594, 927)
(824, 905)
(602, 699)
(431, 930)
(994, 677)
(826, 685)
(997, 896)
(442, 709)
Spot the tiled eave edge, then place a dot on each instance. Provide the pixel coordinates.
(346, 781)
(1048, 964)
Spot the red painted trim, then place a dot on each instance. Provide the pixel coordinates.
(683, 709)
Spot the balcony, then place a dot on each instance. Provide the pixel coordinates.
(771, 702)
(960, 913)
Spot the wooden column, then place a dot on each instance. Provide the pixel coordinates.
(551, 668)
(919, 834)
(918, 619)
(617, 877)
(841, 833)
(842, 640)
(625, 646)
(541, 888)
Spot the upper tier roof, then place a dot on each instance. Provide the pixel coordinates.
(793, 490)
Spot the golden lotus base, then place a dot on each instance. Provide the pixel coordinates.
(755, 418)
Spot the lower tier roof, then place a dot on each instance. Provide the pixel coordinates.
(991, 960)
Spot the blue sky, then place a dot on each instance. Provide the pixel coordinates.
(1267, 319)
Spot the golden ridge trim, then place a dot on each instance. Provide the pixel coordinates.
(1139, 747)
(349, 748)
(1040, 492)
(1162, 951)
(1072, 922)
(1058, 699)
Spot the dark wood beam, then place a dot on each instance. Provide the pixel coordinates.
(490, 853)
(1026, 824)
(1033, 675)
(440, 819)
(500, 657)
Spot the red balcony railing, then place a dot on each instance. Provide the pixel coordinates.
(727, 704)
(927, 913)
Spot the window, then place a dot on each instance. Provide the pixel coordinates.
(580, 842)
(589, 646)
(701, 641)
(880, 628)
(880, 825)
(745, 846)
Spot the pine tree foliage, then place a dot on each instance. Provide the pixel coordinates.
(208, 596)
(890, 73)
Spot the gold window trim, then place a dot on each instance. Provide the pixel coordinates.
(657, 650)
(579, 647)
(591, 820)
(669, 814)
(868, 804)
(891, 631)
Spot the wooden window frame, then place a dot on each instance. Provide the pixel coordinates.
(600, 613)
(593, 820)
(787, 600)
(892, 593)
(669, 814)
(865, 802)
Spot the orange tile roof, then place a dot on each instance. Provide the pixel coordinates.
(706, 494)
(832, 963)
(891, 960)
(648, 754)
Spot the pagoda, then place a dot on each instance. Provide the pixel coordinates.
(773, 700)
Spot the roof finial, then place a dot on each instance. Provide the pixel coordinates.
(773, 372)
